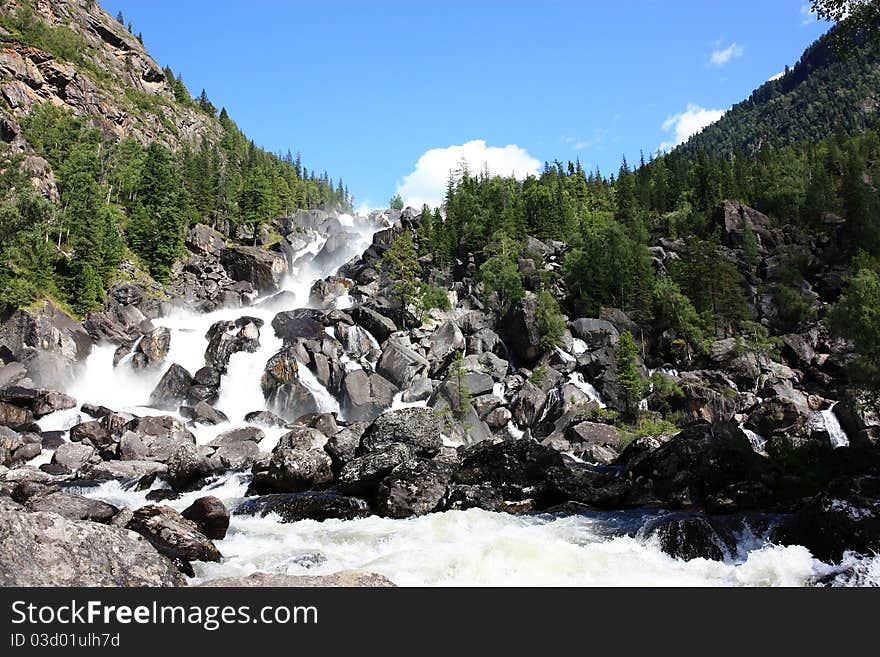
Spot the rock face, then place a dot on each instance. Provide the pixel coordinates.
(94, 554)
(48, 342)
(262, 269)
(691, 537)
(520, 330)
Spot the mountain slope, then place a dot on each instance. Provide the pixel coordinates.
(823, 93)
(72, 54)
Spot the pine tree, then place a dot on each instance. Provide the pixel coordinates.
(630, 385)
(400, 264)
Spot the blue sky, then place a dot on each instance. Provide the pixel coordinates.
(391, 94)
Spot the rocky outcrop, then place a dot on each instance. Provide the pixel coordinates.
(262, 269)
(48, 342)
(344, 578)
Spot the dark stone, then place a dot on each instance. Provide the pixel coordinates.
(417, 428)
(210, 515)
(312, 505)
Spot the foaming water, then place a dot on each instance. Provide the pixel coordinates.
(479, 548)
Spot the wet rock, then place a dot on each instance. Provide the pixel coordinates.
(324, 293)
(92, 433)
(265, 418)
(528, 405)
(312, 505)
(293, 471)
(237, 455)
(173, 535)
(295, 325)
(152, 349)
(203, 413)
(210, 516)
(859, 414)
(282, 388)
(461, 497)
(94, 554)
(50, 401)
(844, 517)
(172, 389)
(690, 537)
(417, 428)
(414, 488)
(226, 338)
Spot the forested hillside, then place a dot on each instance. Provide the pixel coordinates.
(107, 157)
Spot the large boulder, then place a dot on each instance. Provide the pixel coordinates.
(400, 363)
(173, 388)
(519, 327)
(282, 388)
(311, 505)
(361, 475)
(705, 466)
(210, 515)
(226, 338)
(517, 469)
(45, 549)
(48, 342)
(71, 506)
(595, 333)
(173, 535)
(845, 517)
(262, 269)
(294, 470)
(294, 325)
(205, 240)
(690, 537)
(859, 414)
(417, 428)
(343, 579)
(414, 488)
(365, 395)
(152, 349)
(379, 326)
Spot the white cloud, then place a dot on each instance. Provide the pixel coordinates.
(777, 76)
(807, 15)
(687, 123)
(721, 57)
(427, 182)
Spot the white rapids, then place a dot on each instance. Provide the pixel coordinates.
(471, 547)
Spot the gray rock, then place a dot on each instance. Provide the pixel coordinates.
(365, 395)
(293, 471)
(173, 535)
(344, 578)
(262, 269)
(414, 488)
(417, 428)
(93, 554)
(72, 507)
(173, 388)
(73, 456)
(400, 363)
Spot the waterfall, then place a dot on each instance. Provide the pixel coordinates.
(756, 440)
(826, 420)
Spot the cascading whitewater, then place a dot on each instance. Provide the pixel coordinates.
(471, 547)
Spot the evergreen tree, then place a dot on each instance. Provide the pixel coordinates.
(629, 383)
